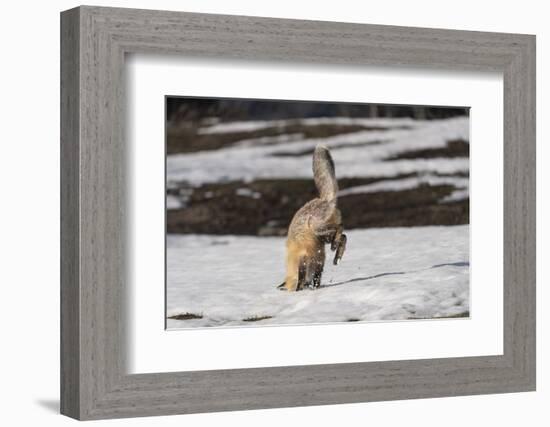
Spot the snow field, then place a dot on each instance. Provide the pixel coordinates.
(386, 274)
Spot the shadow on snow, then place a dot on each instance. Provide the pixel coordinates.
(376, 276)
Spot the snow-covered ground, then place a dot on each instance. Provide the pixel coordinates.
(356, 154)
(386, 274)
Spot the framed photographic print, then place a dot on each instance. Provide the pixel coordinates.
(262, 213)
(258, 188)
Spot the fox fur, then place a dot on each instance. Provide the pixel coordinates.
(314, 225)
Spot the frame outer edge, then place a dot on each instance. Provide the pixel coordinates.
(526, 78)
(70, 396)
(90, 364)
(520, 215)
(532, 238)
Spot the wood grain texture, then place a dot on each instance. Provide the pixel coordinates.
(70, 264)
(94, 231)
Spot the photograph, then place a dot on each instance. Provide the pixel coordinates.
(294, 212)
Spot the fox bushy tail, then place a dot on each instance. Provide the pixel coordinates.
(324, 174)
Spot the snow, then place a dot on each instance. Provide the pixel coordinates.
(244, 126)
(247, 192)
(356, 154)
(173, 202)
(456, 195)
(268, 140)
(179, 201)
(367, 122)
(385, 274)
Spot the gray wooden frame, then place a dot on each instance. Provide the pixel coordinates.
(94, 41)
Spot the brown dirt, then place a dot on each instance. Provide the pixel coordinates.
(257, 318)
(186, 316)
(454, 148)
(217, 209)
(452, 316)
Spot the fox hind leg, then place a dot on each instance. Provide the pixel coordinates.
(327, 233)
(296, 275)
(302, 274)
(336, 237)
(317, 274)
(316, 266)
(340, 248)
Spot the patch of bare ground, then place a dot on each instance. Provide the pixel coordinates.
(256, 318)
(309, 151)
(452, 316)
(454, 148)
(186, 316)
(220, 209)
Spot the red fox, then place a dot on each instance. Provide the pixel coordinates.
(315, 224)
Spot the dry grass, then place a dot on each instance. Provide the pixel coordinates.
(452, 316)
(256, 318)
(186, 316)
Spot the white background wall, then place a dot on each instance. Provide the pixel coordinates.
(29, 225)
